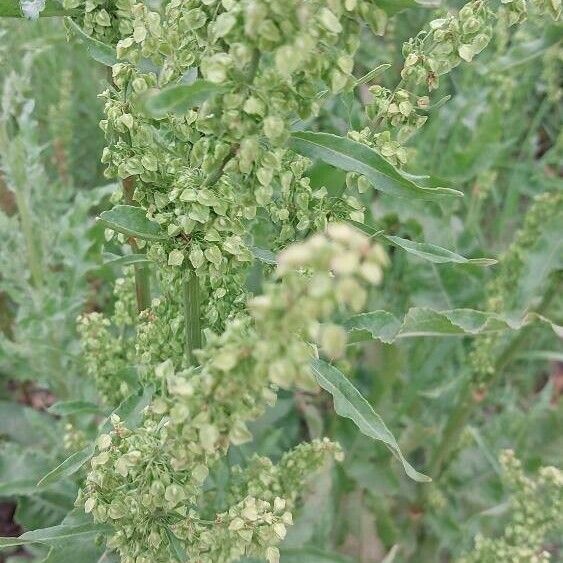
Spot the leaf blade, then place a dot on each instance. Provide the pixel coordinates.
(435, 253)
(355, 157)
(350, 403)
(55, 534)
(131, 221)
(68, 467)
(179, 98)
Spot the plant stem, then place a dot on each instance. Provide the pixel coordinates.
(142, 272)
(192, 314)
(21, 191)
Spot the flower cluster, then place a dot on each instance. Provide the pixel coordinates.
(537, 508)
(106, 348)
(205, 174)
(155, 514)
(397, 113)
(199, 412)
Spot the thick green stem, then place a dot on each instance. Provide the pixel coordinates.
(142, 272)
(192, 314)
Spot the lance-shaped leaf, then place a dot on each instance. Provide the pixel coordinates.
(352, 156)
(133, 222)
(435, 253)
(423, 321)
(349, 403)
(425, 250)
(130, 411)
(67, 408)
(179, 98)
(111, 259)
(68, 467)
(56, 534)
(104, 54)
(264, 255)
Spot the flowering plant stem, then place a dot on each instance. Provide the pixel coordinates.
(192, 314)
(142, 272)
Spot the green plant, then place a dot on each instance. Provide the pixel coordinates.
(258, 275)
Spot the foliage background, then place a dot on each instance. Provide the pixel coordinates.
(498, 139)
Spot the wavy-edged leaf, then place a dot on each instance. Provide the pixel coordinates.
(132, 221)
(349, 403)
(435, 253)
(352, 156)
(68, 408)
(104, 54)
(68, 467)
(423, 321)
(179, 98)
(56, 534)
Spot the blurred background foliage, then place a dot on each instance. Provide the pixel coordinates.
(498, 139)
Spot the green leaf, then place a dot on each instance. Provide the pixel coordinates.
(111, 259)
(179, 98)
(99, 51)
(309, 554)
(130, 411)
(132, 221)
(68, 467)
(435, 106)
(349, 403)
(423, 321)
(435, 253)
(394, 6)
(264, 255)
(176, 546)
(56, 534)
(67, 408)
(356, 157)
(372, 74)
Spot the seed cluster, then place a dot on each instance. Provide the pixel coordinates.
(537, 508)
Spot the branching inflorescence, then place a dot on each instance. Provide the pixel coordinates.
(212, 174)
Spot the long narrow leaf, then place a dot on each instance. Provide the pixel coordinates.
(55, 534)
(349, 403)
(68, 467)
(355, 157)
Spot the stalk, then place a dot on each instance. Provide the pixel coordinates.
(142, 272)
(17, 158)
(33, 252)
(192, 314)
(469, 397)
